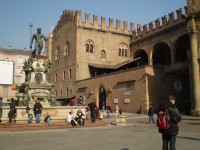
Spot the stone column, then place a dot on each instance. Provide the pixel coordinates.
(173, 54)
(195, 85)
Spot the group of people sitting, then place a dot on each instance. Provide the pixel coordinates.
(78, 119)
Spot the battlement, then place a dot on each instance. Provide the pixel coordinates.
(76, 17)
(160, 24)
(117, 27)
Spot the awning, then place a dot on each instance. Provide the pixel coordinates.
(107, 66)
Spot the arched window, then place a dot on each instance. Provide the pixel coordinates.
(63, 75)
(119, 51)
(67, 91)
(57, 53)
(61, 93)
(66, 48)
(91, 48)
(56, 77)
(103, 54)
(70, 73)
(125, 53)
(123, 50)
(89, 45)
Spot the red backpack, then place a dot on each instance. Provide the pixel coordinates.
(163, 120)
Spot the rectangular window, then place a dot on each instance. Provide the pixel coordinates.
(127, 85)
(20, 60)
(5, 91)
(17, 79)
(18, 70)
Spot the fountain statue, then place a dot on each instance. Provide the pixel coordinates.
(36, 86)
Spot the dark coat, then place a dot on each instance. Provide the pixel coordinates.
(151, 111)
(37, 108)
(175, 118)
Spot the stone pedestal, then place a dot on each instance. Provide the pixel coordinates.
(195, 113)
(57, 113)
(121, 120)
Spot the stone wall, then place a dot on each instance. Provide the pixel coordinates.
(57, 113)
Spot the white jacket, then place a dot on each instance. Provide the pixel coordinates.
(69, 118)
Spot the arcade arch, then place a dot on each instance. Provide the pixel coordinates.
(143, 57)
(182, 45)
(161, 54)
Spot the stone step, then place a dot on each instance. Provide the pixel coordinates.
(42, 126)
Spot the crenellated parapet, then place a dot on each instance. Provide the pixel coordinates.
(112, 25)
(67, 16)
(160, 24)
(115, 26)
(119, 27)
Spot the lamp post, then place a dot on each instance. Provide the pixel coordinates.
(30, 25)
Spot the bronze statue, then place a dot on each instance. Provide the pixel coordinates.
(38, 37)
(27, 68)
(47, 66)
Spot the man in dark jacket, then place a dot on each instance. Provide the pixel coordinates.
(169, 135)
(92, 106)
(37, 111)
(12, 112)
(151, 113)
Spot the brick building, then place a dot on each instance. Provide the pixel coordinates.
(127, 66)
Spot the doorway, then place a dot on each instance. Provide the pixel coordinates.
(102, 98)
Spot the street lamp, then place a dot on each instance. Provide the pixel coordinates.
(30, 25)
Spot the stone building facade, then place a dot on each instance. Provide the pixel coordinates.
(128, 66)
(18, 57)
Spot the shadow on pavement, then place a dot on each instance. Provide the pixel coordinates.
(189, 138)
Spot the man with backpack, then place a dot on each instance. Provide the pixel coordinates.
(167, 122)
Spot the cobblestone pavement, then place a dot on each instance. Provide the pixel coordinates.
(135, 135)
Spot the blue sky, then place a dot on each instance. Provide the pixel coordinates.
(16, 15)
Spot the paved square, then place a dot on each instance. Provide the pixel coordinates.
(137, 135)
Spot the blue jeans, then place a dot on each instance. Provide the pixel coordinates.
(108, 114)
(169, 139)
(49, 120)
(151, 119)
(30, 117)
(37, 118)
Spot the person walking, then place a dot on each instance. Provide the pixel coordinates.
(37, 111)
(169, 135)
(151, 114)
